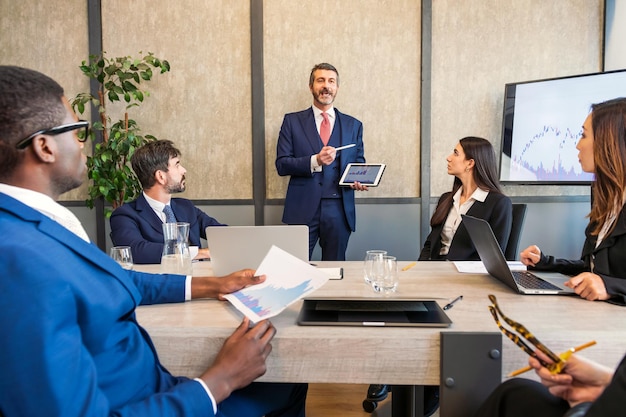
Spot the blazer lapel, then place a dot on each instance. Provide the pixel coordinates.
(307, 123)
(145, 211)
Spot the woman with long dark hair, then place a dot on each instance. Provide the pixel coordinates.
(583, 387)
(476, 192)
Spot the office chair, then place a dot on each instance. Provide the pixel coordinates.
(512, 246)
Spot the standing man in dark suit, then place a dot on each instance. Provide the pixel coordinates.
(306, 151)
(139, 223)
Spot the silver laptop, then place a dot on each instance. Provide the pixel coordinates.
(523, 282)
(238, 247)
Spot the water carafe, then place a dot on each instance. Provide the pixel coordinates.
(176, 258)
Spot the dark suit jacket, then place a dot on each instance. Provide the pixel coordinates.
(70, 343)
(496, 209)
(135, 224)
(609, 260)
(297, 141)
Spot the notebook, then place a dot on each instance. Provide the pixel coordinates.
(522, 282)
(238, 247)
(376, 312)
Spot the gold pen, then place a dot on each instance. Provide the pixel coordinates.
(409, 266)
(565, 355)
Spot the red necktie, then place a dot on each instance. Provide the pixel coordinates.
(325, 129)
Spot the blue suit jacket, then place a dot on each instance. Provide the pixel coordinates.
(496, 209)
(135, 224)
(297, 141)
(70, 342)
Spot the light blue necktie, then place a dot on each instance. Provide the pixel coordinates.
(169, 214)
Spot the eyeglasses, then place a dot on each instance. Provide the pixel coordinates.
(57, 130)
(520, 335)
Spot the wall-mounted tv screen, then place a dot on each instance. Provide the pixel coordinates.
(542, 123)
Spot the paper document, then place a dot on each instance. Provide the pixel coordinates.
(477, 267)
(333, 273)
(288, 279)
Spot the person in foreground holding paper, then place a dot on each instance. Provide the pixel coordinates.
(71, 343)
(600, 273)
(476, 192)
(307, 150)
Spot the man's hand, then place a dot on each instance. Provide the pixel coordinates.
(326, 156)
(217, 287)
(357, 186)
(241, 360)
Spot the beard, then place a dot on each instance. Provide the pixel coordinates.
(65, 184)
(326, 100)
(176, 188)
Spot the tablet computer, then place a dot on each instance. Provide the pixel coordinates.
(366, 174)
(378, 312)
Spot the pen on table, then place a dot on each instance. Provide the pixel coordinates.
(562, 355)
(345, 147)
(451, 303)
(409, 266)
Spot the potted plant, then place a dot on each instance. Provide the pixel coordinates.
(119, 80)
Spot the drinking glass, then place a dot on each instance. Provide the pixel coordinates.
(385, 278)
(372, 257)
(175, 258)
(123, 256)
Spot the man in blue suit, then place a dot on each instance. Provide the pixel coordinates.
(71, 345)
(139, 223)
(306, 151)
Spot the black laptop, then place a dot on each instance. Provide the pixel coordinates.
(376, 312)
(522, 282)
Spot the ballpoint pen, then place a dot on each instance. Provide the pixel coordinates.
(565, 355)
(451, 303)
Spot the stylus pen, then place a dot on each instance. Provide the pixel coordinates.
(345, 147)
(567, 352)
(451, 303)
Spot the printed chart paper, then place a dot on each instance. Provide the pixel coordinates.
(288, 279)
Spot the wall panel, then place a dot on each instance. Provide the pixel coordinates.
(203, 103)
(48, 38)
(478, 46)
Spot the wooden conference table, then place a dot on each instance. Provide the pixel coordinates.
(188, 335)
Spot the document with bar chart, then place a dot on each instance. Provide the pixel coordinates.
(288, 280)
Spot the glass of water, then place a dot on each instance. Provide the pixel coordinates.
(385, 278)
(123, 256)
(372, 258)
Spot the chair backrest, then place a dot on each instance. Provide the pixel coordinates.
(519, 213)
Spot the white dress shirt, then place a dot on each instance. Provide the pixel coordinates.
(315, 167)
(48, 207)
(454, 217)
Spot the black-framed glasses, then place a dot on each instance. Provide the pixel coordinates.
(522, 337)
(57, 130)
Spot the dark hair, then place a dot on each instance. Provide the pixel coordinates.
(322, 66)
(608, 122)
(29, 101)
(152, 157)
(485, 174)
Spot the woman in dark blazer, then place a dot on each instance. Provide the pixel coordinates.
(583, 388)
(600, 274)
(476, 192)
